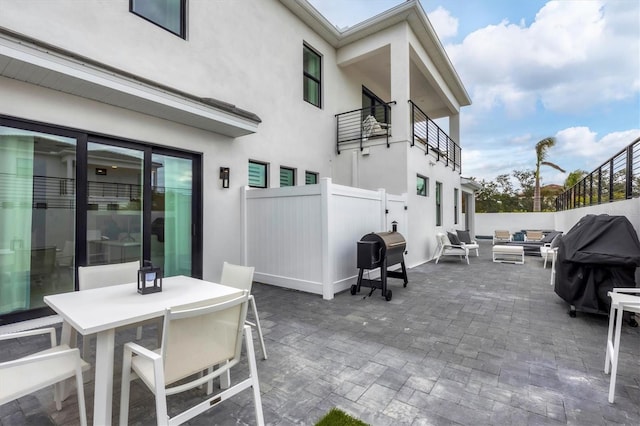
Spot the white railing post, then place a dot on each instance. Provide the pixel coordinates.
(326, 203)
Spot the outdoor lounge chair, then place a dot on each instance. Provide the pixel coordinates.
(465, 240)
(533, 236)
(445, 248)
(501, 236)
(371, 127)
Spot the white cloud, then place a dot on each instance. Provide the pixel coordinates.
(443, 23)
(575, 55)
(583, 142)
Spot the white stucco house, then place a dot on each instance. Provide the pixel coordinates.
(131, 130)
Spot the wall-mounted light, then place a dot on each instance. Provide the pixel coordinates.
(224, 176)
(101, 171)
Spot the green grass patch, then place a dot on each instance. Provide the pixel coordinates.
(337, 417)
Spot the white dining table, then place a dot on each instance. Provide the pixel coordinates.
(101, 310)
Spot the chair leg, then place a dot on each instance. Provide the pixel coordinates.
(139, 333)
(162, 417)
(546, 256)
(607, 358)
(253, 372)
(614, 356)
(255, 314)
(80, 391)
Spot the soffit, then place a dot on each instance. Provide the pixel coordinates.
(33, 62)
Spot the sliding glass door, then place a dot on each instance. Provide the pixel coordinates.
(37, 227)
(70, 199)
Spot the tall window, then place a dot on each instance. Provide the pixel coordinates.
(167, 14)
(422, 184)
(455, 205)
(287, 176)
(312, 78)
(310, 178)
(438, 204)
(257, 174)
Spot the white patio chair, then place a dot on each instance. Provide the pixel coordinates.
(45, 368)
(195, 337)
(445, 248)
(241, 277)
(97, 276)
(622, 299)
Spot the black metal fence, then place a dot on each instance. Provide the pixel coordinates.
(364, 124)
(616, 179)
(435, 140)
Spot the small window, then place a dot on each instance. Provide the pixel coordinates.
(455, 205)
(312, 78)
(438, 204)
(167, 14)
(310, 178)
(422, 185)
(287, 176)
(257, 174)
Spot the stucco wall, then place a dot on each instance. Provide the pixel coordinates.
(486, 223)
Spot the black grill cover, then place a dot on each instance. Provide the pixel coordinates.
(600, 252)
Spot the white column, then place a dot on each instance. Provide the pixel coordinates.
(454, 128)
(400, 86)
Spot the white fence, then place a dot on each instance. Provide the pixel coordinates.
(305, 237)
(486, 223)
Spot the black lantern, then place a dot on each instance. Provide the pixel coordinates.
(149, 279)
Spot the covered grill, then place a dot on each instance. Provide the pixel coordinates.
(381, 250)
(599, 253)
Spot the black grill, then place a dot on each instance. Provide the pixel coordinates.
(380, 250)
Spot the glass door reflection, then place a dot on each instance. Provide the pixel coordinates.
(114, 204)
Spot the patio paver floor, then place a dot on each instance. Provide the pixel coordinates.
(484, 343)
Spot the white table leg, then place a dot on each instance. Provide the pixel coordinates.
(103, 394)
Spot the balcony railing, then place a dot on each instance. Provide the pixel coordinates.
(434, 140)
(616, 179)
(361, 125)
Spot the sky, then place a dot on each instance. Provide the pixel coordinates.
(569, 69)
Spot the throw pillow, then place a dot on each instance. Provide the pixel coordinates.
(464, 236)
(453, 238)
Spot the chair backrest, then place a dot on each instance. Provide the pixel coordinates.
(502, 234)
(107, 275)
(535, 235)
(197, 336)
(237, 276)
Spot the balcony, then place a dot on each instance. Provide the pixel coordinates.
(616, 179)
(374, 123)
(435, 141)
(361, 125)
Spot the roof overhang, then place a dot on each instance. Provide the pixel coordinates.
(470, 185)
(409, 11)
(37, 63)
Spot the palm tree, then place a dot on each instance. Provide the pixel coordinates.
(541, 155)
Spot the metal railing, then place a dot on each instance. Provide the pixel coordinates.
(434, 139)
(364, 124)
(616, 179)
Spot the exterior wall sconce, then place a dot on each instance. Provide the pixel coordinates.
(224, 176)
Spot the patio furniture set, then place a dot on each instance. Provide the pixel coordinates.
(203, 328)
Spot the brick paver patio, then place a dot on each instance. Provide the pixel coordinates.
(474, 344)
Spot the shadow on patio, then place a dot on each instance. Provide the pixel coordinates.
(483, 343)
